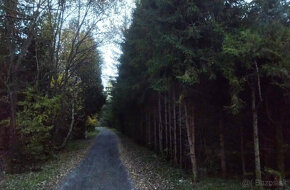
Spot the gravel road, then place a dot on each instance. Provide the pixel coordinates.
(101, 169)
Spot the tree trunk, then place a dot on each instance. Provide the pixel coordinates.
(149, 130)
(12, 128)
(243, 152)
(155, 131)
(190, 127)
(160, 126)
(256, 140)
(70, 128)
(222, 147)
(180, 136)
(166, 125)
(278, 123)
(174, 128)
(146, 128)
(11, 11)
(280, 150)
(169, 126)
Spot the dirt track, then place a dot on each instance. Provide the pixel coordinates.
(101, 169)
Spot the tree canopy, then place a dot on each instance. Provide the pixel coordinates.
(50, 76)
(201, 82)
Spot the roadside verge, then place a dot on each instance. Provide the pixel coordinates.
(53, 170)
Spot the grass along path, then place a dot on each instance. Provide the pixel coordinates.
(53, 170)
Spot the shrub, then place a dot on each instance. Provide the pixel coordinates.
(91, 123)
(35, 122)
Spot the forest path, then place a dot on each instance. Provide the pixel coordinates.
(101, 169)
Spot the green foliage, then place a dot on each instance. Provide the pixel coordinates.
(92, 122)
(212, 55)
(190, 77)
(250, 50)
(273, 172)
(35, 122)
(57, 56)
(5, 122)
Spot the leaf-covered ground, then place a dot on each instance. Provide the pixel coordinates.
(149, 172)
(52, 171)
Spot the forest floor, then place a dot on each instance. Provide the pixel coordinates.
(53, 170)
(108, 162)
(151, 172)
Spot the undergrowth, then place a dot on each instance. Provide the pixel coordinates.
(53, 170)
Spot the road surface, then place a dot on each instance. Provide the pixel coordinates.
(101, 169)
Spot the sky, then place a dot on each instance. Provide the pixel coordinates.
(110, 49)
